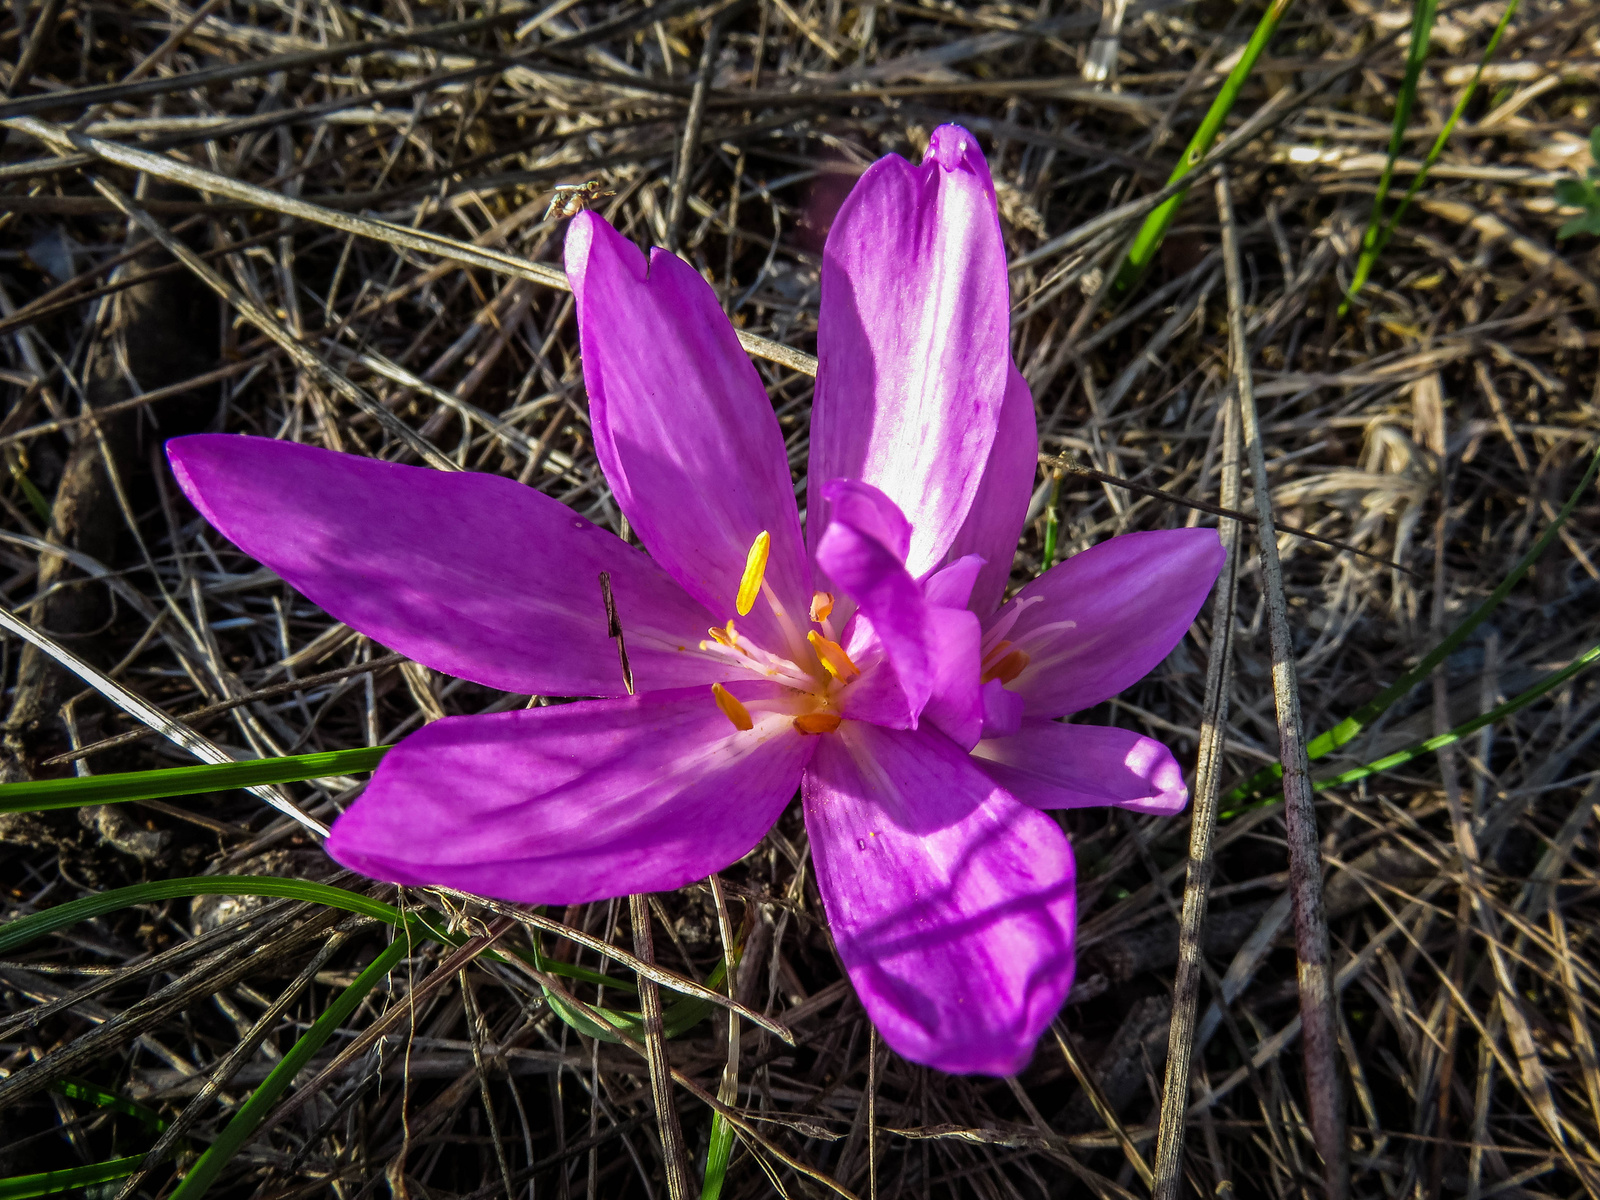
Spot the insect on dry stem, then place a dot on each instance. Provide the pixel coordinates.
(614, 630)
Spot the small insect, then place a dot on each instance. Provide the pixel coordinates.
(570, 199)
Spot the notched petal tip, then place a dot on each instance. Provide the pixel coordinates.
(867, 510)
(956, 149)
(590, 235)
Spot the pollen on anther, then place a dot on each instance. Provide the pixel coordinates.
(817, 722)
(755, 570)
(1008, 668)
(833, 657)
(731, 708)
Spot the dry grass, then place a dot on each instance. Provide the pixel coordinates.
(1437, 429)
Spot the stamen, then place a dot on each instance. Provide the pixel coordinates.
(1008, 668)
(755, 570)
(833, 657)
(821, 605)
(731, 708)
(994, 654)
(733, 648)
(818, 722)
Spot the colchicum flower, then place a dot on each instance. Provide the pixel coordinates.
(866, 660)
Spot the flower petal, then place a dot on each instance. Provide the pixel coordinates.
(471, 574)
(1105, 618)
(1002, 710)
(683, 428)
(913, 338)
(952, 905)
(1051, 765)
(951, 585)
(868, 509)
(577, 802)
(855, 557)
(955, 706)
(994, 522)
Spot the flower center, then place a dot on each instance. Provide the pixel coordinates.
(814, 670)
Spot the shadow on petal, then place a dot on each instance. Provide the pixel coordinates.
(578, 802)
(952, 905)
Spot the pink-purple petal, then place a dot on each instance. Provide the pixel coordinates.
(951, 585)
(683, 427)
(577, 802)
(877, 695)
(955, 706)
(865, 508)
(951, 904)
(873, 577)
(1105, 618)
(994, 522)
(472, 574)
(1001, 710)
(1051, 765)
(913, 338)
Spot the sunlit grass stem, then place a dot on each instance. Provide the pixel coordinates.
(1378, 230)
(249, 1116)
(1353, 725)
(1449, 738)
(1148, 241)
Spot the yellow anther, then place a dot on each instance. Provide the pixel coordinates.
(817, 722)
(833, 657)
(731, 708)
(725, 636)
(1008, 668)
(755, 570)
(821, 605)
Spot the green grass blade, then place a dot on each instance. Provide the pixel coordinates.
(36, 795)
(1389, 761)
(35, 498)
(1154, 230)
(248, 1119)
(1377, 235)
(254, 1110)
(1353, 725)
(1052, 527)
(90, 1093)
(53, 1183)
(717, 1157)
(19, 933)
(1468, 728)
(677, 1018)
(1416, 57)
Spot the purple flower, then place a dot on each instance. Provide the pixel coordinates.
(866, 660)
